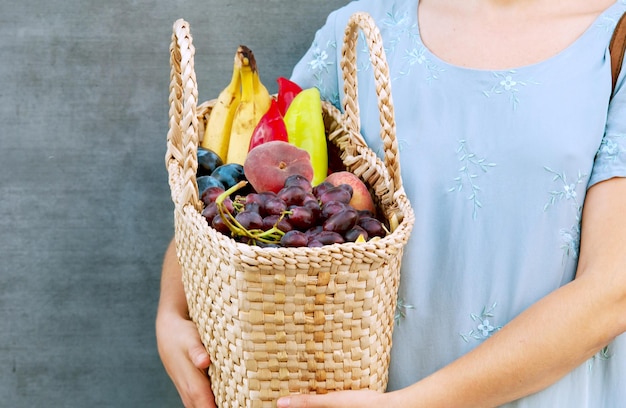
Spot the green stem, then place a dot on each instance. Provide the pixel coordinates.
(271, 236)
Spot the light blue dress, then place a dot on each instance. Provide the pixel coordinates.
(497, 165)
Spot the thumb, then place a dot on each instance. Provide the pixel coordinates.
(198, 355)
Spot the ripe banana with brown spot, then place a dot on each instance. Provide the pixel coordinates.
(255, 101)
(219, 125)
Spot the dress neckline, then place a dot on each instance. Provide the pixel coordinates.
(568, 49)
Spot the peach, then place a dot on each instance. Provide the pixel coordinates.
(268, 165)
(361, 197)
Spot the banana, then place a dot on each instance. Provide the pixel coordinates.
(255, 101)
(219, 125)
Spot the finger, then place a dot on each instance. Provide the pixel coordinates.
(196, 352)
(195, 391)
(303, 401)
(198, 356)
(338, 399)
(190, 370)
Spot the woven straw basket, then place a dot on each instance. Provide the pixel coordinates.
(277, 321)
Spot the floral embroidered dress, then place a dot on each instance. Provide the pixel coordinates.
(497, 165)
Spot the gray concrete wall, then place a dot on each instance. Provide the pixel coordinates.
(85, 209)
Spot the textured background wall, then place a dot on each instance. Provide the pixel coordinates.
(85, 210)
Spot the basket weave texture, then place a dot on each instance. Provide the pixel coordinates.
(277, 321)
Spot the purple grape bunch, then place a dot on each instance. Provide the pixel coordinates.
(298, 215)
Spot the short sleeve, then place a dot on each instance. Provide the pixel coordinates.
(610, 160)
(318, 67)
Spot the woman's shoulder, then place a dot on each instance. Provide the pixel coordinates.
(378, 9)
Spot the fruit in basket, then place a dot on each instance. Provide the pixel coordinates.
(372, 226)
(342, 221)
(305, 129)
(270, 127)
(210, 194)
(255, 102)
(208, 161)
(229, 174)
(267, 166)
(299, 180)
(361, 197)
(287, 90)
(294, 238)
(219, 125)
(207, 182)
(298, 214)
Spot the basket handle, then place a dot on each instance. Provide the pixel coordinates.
(365, 23)
(182, 137)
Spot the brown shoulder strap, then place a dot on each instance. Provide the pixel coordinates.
(617, 48)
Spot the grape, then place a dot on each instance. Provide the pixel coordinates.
(365, 213)
(210, 211)
(284, 225)
(274, 206)
(228, 205)
(373, 227)
(321, 188)
(313, 231)
(314, 206)
(342, 221)
(299, 181)
(265, 195)
(304, 215)
(332, 207)
(255, 198)
(292, 195)
(252, 207)
(301, 217)
(328, 238)
(310, 198)
(294, 238)
(314, 244)
(262, 198)
(210, 194)
(335, 194)
(348, 188)
(219, 224)
(276, 221)
(353, 234)
(250, 220)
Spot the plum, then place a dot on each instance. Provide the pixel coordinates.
(229, 174)
(208, 161)
(206, 182)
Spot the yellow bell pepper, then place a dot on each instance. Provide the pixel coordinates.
(305, 129)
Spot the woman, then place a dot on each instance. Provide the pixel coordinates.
(513, 289)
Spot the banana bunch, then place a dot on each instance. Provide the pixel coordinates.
(237, 110)
(217, 131)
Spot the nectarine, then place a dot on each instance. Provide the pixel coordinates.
(361, 197)
(268, 165)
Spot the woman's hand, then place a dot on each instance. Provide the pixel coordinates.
(180, 348)
(343, 399)
(185, 360)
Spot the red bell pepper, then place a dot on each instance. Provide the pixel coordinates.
(287, 90)
(271, 126)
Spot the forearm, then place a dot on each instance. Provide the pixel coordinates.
(172, 297)
(534, 350)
